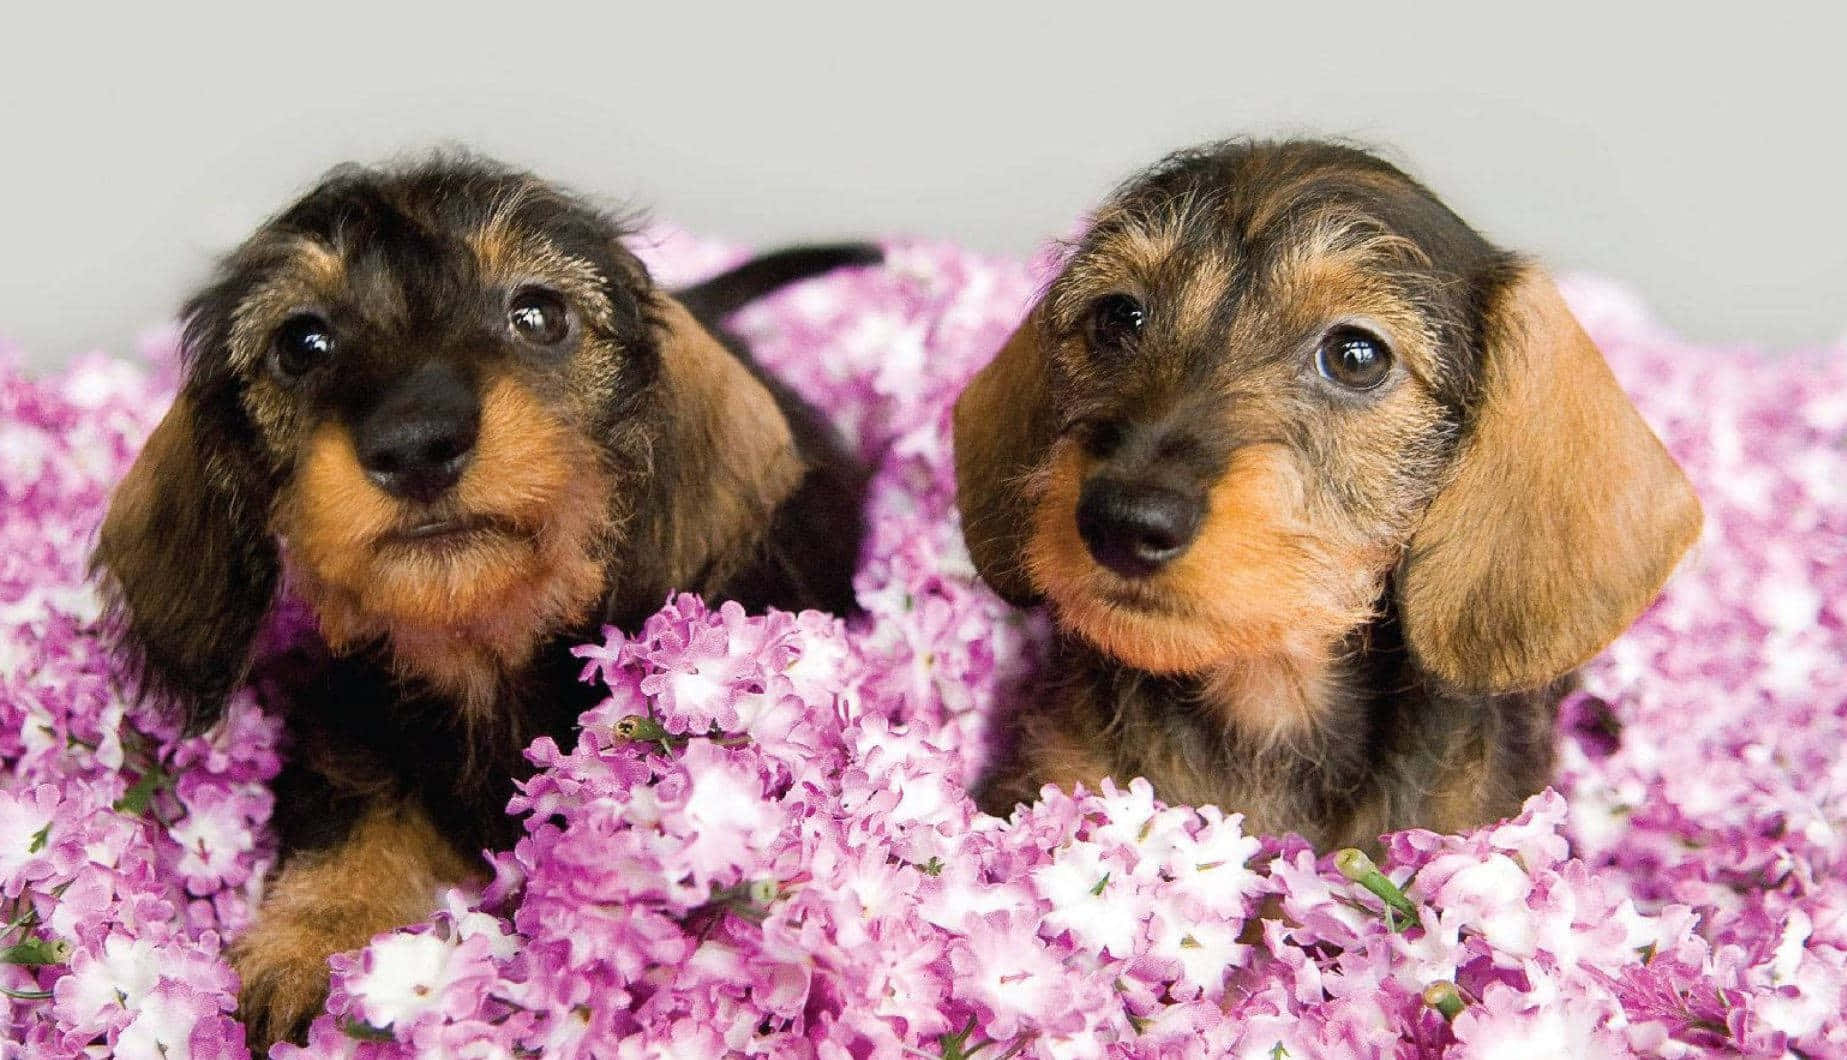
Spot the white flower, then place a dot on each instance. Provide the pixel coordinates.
(1489, 897)
(404, 976)
(123, 975)
(725, 817)
(1101, 913)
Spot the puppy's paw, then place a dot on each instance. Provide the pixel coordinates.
(283, 968)
(385, 874)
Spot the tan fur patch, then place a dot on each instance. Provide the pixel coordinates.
(458, 613)
(1131, 257)
(1258, 583)
(386, 875)
(725, 418)
(1272, 697)
(1057, 744)
(509, 256)
(1280, 194)
(1495, 601)
(499, 243)
(1002, 425)
(1201, 292)
(314, 273)
(1346, 233)
(1461, 796)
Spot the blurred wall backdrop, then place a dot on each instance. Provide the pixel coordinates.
(1698, 156)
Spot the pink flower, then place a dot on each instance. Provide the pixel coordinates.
(26, 823)
(1014, 982)
(176, 1022)
(1538, 1025)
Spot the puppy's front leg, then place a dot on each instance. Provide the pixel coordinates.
(1053, 744)
(384, 874)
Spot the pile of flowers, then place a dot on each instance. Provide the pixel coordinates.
(760, 842)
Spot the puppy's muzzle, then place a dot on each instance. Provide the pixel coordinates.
(1144, 499)
(1136, 529)
(416, 443)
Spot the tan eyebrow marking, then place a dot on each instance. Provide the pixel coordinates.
(1138, 254)
(508, 255)
(1335, 260)
(314, 272)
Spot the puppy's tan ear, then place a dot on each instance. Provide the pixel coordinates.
(187, 566)
(1003, 426)
(731, 460)
(1562, 520)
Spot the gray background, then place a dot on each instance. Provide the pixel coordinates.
(1697, 156)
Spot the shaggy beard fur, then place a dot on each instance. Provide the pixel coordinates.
(462, 615)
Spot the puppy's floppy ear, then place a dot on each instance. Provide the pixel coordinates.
(728, 461)
(1003, 427)
(1564, 515)
(187, 565)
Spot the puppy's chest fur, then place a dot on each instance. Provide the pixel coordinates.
(359, 734)
(1384, 749)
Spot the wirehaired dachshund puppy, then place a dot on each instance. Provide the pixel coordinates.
(1327, 496)
(447, 408)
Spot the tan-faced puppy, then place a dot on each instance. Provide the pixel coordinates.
(1327, 496)
(448, 408)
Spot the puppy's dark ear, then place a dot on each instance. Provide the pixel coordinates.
(1564, 515)
(1003, 427)
(730, 451)
(187, 566)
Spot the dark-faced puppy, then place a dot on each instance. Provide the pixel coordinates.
(446, 407)
(1328, 498)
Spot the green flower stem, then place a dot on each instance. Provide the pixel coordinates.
(1356, 866)
(25, 995)
(365, 1032)
(639, 728)
(954, 1046)
(36, 951)
(136, 800)
(24, 920)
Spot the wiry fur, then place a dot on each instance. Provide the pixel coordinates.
(641, 455)
(1389, 588)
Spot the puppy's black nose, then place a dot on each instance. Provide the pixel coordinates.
(1133, 529)
(417, 442)
(419, 459)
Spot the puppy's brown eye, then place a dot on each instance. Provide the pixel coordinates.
(538, 316)
(1354, 358)
(302, 342)
(1115, 321)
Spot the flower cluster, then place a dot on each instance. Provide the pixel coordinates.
(127, 855)
(760, 842)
